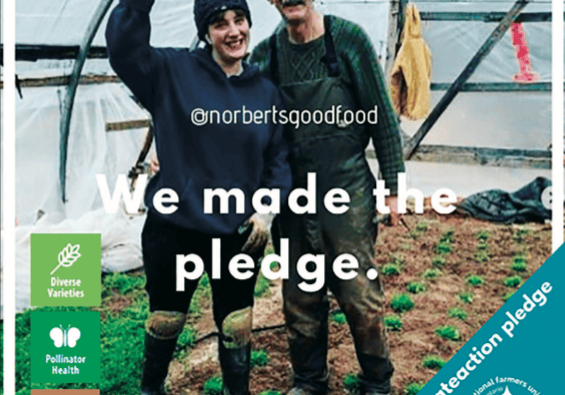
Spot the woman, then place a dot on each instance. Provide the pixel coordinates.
(195, 154)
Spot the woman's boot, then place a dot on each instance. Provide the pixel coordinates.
(235, 363)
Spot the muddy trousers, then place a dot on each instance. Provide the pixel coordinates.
(360, 299)
(232, 299)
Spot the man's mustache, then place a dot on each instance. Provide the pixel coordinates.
(292, 2)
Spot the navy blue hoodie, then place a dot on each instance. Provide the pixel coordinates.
(171, 84)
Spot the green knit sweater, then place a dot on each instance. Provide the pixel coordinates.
(359, 70)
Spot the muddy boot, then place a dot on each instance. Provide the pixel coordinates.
(375, 376)
(235, 363)
(158, 354)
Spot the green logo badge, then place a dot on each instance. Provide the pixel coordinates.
(65, 347)
(65, 269)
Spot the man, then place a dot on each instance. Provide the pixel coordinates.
(320, 62)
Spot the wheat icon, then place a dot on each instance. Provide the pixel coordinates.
(68, 256)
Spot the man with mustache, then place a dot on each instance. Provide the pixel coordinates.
(320, 62)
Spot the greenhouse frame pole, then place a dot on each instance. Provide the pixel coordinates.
(68, 102)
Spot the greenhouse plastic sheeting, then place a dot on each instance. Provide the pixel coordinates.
(91, 149)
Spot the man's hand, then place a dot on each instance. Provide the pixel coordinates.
(392, 203)
(260, 234)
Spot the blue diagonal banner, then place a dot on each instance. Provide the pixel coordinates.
(521, 348)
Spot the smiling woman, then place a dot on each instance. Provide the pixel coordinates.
(228, 35)
(172, 84)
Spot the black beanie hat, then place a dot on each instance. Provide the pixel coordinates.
(206, 10)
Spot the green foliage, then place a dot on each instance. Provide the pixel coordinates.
(520, 235)
(122, 334)
(475, 281)
(213, 386)
(270, 392)
(422, 226)
(443, 247)
(393, 322)
(448, 236)
(439, 261)
(481, 256)
(413, 388)
(448, 332)
(434, 362)
(482, 246)
(122, 283)
(415, 287)
(482, 235)
(339, 318)
(519, 263)
(351, 382)
(402, 303)
(458, 313)
(259, 358)
(187, 337)
(390, 269)
(262, 286)
(431, 274)
(512, 281)
(466, 297)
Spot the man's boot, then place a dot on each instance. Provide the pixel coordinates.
(375, 376)
(158, 354)
(235, 363)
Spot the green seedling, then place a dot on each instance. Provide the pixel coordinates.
(475, 281)
(422, 226)
(443, 247)
(415, 287)
(466, 297)
(402, 303)
(448, 332)
(390, 269)
(351, 383)
(519, 263)
(520, 235)
(448, 236)
(259, 358)
(434, 362)
(339, 318)
(439, 261)
(431, 274)
(413, 388)
(482, 246)
(457, 313)
(393, 322)
(512, 281)
(213, 386)
(482, 235)
(270, 392)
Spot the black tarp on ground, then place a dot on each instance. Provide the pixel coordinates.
(524, 205)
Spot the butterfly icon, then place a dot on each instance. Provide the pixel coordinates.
(64, 337)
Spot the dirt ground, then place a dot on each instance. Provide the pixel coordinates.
(417, 338)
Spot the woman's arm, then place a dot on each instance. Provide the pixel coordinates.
(131, 56)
